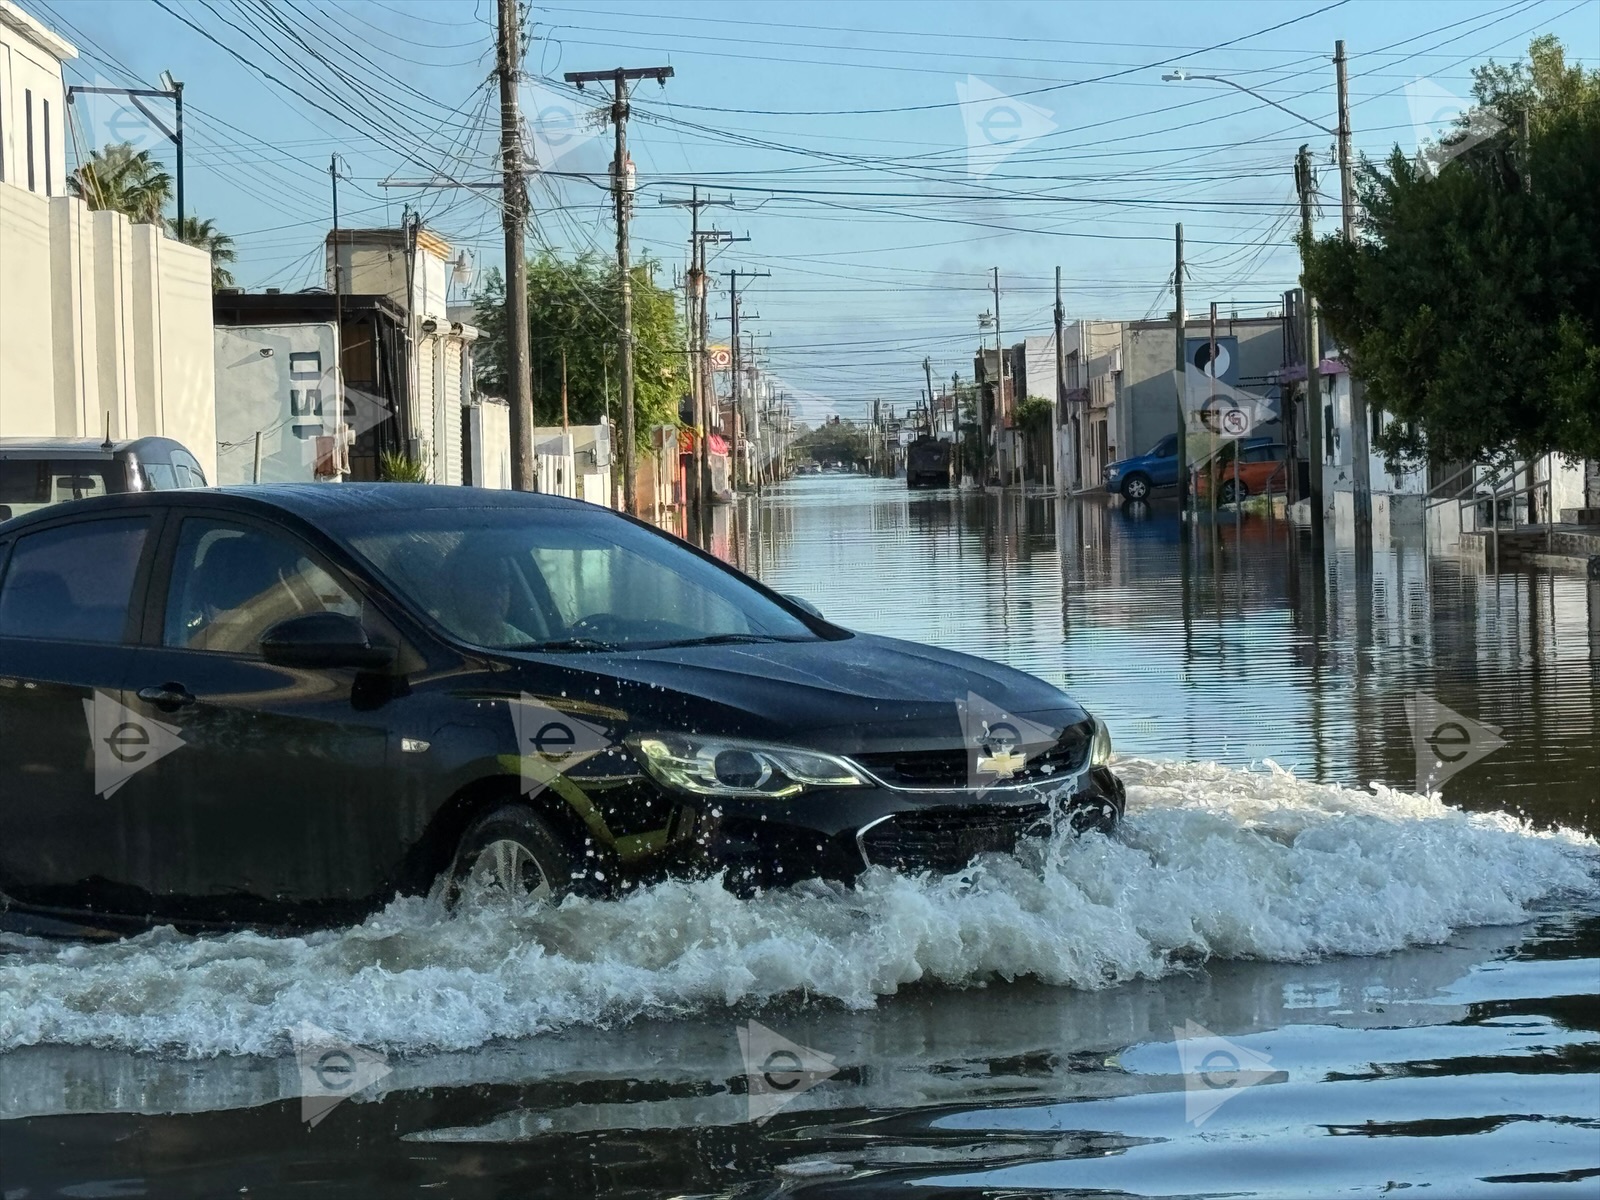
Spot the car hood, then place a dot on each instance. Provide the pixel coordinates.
(858, 692)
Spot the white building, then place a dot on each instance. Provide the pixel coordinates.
(102, 322)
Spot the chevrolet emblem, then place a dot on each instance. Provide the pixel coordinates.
(1002, 763)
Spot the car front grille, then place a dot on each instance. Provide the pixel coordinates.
(947, 839)
(950, 769)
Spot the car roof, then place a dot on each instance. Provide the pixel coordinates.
(314, 502)
(78, 447)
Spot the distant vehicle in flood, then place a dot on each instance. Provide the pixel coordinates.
(930, 463)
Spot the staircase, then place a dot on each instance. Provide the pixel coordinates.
(1573, 543)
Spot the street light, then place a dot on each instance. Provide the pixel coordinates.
(170, 89)
(1182, 76)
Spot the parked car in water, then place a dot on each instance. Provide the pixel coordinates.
(286, 705)
(38, 472)
(1135, 478)
(1262, 469)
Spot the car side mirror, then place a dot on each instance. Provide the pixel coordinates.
(805, 605)
(321, 641)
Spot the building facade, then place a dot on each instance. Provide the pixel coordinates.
(104, 324)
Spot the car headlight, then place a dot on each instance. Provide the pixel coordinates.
(714, 766)
(1100, 747)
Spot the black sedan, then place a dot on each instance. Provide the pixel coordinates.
(287, 705)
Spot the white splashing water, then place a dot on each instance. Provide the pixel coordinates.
(1211, 861)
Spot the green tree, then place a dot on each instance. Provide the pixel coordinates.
(1470, 305)
(124, 180)
(205, 235)
(834, 441)
(1033, 418)
(574, 308)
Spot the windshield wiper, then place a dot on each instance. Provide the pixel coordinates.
(565, 644)
(727, 639)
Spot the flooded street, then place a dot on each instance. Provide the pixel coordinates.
(1288, 974)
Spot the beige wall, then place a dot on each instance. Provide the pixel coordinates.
(102, 317)
(30, 70)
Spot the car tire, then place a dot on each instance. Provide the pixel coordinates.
(1233, 492)
(512, 856)
(1136, 487)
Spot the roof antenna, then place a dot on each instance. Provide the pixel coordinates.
(108, 444)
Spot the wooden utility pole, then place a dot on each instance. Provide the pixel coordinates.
(1306, 185)
(1181, 332)
(514, 209)
(1360, 434)
(564, 425)
(338, 327)
(927, 370)
(622, 196)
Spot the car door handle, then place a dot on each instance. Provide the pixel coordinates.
(168, 696)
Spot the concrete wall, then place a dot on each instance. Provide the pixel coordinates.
(100, 318)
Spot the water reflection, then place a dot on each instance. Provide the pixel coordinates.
(1240, 645)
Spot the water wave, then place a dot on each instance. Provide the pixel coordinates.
(1211, 862)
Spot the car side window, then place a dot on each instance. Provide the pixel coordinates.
(73, 583)
(231, 583)
(1166, 447)
(188, 469)
(159, 477)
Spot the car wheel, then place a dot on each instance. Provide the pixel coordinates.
(1136, 487)
(1233, 492)
(510, 856)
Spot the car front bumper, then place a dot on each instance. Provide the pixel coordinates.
(839, 834)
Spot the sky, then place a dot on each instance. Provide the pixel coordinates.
(884, 157)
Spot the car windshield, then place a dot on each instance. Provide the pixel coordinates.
(521, 579)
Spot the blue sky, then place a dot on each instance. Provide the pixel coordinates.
(840, 132)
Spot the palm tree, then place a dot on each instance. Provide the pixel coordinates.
(195, 232)
(124, 180)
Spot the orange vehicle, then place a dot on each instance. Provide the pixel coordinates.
(1262, 469)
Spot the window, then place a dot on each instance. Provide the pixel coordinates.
(73, 583)
(1166, 447)
(232, 583)
(510, 577)
(27, 116)
(48, 181)
(159, 477)
(27, 484)
(188, 469)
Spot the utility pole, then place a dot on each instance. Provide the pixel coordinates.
(338, 322)
(1000, 391)
(738, 364)
(564, 425)
(927, 370)
(519, 353)
(1360, 434)
(1061, 389)
(1313, 349)
(699, 369)
(1181, 330)
(622, 195)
